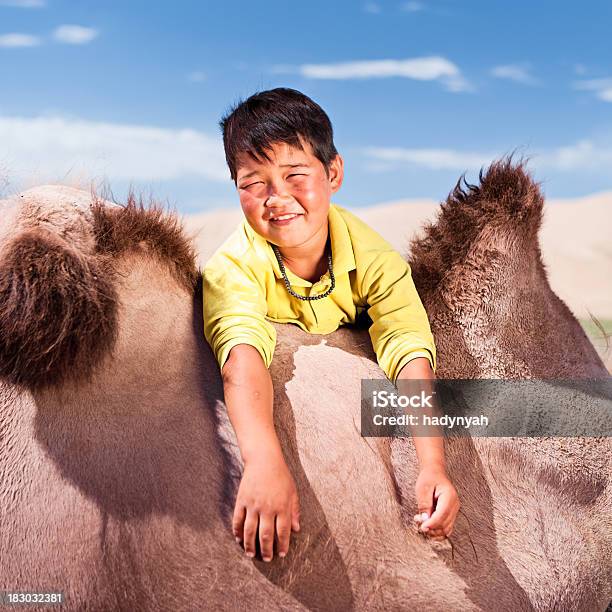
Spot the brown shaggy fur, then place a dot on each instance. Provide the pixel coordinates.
(506, 194)
(136, 226)
(58, 305)
(58, 314)
(478, 269)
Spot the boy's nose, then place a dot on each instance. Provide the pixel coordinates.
(277, 200)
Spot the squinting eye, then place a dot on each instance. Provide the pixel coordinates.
(250, 185)
(296, 174)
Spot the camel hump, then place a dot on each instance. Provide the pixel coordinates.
(58, 297)
(506, 192)
(58, 310)
(505, 208)
(148, 228)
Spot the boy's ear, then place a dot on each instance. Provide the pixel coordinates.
(336, 173)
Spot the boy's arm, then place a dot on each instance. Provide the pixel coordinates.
(267, 499)
(234, 308)
(437, 500)
(242, 340)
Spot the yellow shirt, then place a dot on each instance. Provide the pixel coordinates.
(243, 291)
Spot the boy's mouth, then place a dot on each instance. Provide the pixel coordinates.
(284, 219)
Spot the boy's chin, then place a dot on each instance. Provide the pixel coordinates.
(287, 241)
(289, 238)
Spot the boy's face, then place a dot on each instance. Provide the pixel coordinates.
(286, 200)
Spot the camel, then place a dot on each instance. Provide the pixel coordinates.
(119, 468)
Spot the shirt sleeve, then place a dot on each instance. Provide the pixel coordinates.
(234, 308)
(400, 328)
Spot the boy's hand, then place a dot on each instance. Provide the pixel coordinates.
(266, 504)
(437, 501)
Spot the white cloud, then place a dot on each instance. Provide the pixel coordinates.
(74, 34)
(196, 76)
(23, 3)
(412, 7)
(432, 68)
(16, 39)
(51, 148)
(606, 94)
(433, 159)
(585, 155)
(601, 87)
(520, 73)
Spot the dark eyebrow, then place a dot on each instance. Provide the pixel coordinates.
(249, 175)
(294, 165)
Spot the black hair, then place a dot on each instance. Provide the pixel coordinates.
(277, 115)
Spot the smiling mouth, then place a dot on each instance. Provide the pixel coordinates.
(282, 219)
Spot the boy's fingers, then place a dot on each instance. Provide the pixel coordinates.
(437, 519)
(425, 500)
(283, 533)
(266, 536)
(441, 513)
(250, 531)
(295, 515)
(437, 532)
(238, 521)
(445, 529)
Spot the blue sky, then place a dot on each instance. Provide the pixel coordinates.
(418, 92)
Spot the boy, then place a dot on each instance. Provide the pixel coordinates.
(299, 259)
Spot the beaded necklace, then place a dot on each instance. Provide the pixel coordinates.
(306, 298)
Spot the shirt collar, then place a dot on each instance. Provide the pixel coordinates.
(343, 257)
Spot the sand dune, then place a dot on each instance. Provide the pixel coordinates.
(576, 242)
